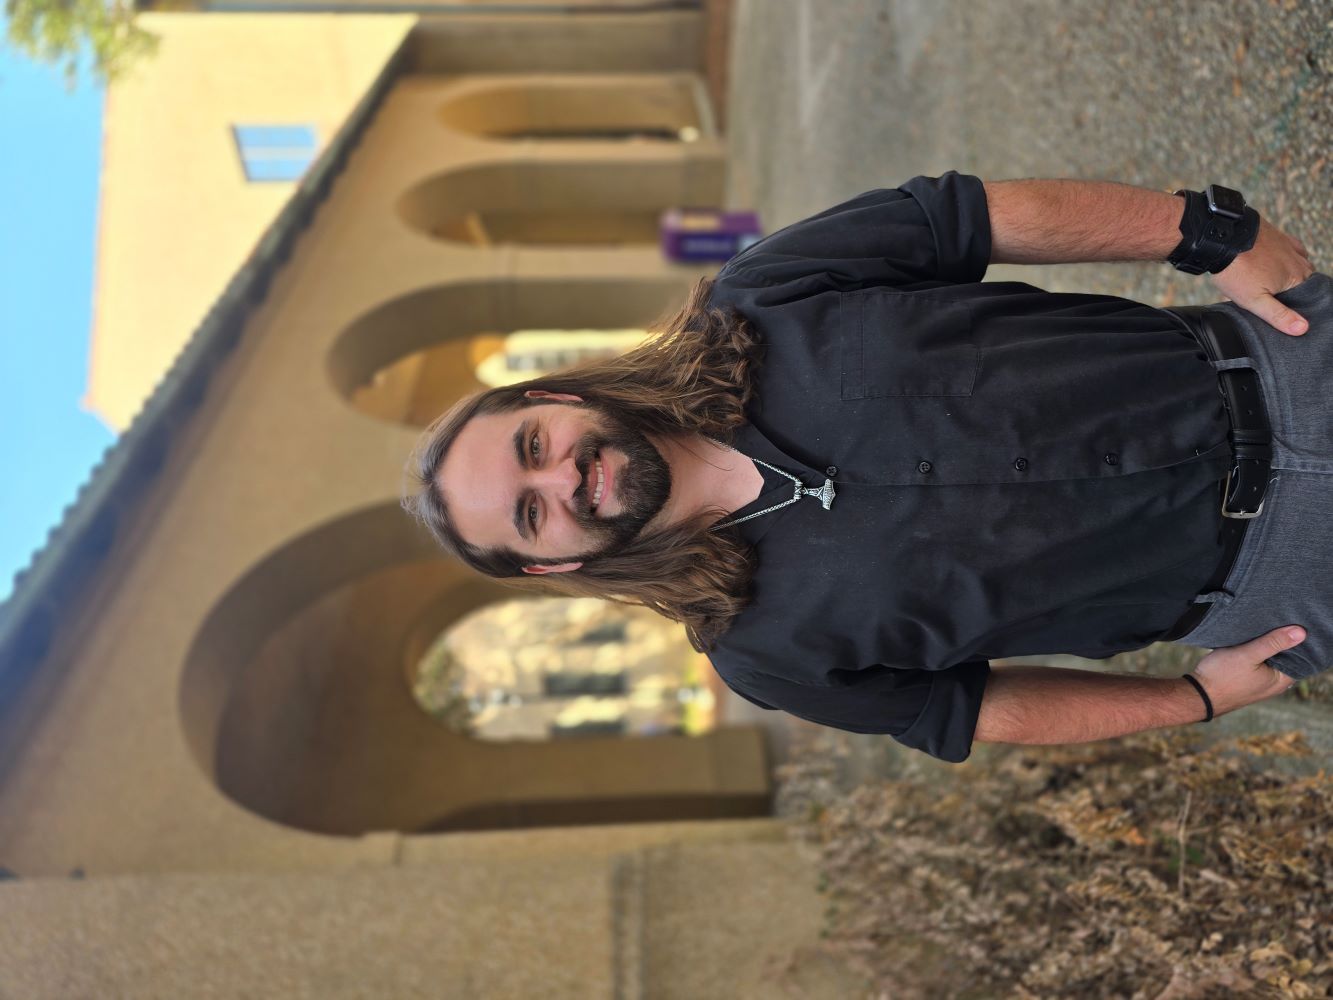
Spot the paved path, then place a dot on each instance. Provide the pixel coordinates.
(833, 97)
(829, 98)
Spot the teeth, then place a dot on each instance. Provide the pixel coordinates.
(601, 481)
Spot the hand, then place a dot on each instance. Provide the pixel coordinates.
(1237, 675)
(1275, 263)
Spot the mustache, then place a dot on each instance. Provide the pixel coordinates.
(634, 449)
(585, 453)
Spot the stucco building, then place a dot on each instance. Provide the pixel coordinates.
(214, 779)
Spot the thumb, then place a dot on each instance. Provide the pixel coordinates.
(1277, 641)
(1275, 314)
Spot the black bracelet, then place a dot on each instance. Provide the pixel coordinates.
(1210, 242)
(1207, 702)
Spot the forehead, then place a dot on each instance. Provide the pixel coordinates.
(479, 478)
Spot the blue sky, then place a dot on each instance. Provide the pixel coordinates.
(50, 155)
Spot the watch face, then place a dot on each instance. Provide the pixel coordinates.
(1224, 201)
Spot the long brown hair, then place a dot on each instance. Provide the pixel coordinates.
(693, 377)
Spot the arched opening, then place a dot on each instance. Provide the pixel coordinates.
(564, 668)
(527, 353)
(294, 702)
(416, 389)
(583, 107)
(547, 202)
(408, 360)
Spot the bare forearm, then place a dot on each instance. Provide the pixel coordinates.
(1053, 705)
(1066, 221)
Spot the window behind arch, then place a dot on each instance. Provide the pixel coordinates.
(562, 668)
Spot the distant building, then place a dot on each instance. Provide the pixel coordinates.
(205, 675)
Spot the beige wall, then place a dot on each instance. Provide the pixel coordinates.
(177, 216)
(281, 494)
(224, 739)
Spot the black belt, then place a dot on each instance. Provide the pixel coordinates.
(1251, 444)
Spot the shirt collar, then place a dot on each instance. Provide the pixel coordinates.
(750, 441)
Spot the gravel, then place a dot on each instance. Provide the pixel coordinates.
(833, 97)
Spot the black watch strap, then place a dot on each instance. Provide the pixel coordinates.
(1215, 227)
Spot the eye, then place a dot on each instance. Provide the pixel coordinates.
(532, 515)
(536, 446)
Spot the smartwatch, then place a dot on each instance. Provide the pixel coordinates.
(1215, 227)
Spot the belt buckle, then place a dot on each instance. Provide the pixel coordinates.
(1238, 514)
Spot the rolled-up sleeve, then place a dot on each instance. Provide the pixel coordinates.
(931, 229)
(934, 711)
(955, 208)
(948, 719)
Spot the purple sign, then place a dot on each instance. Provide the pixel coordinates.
(693, 235)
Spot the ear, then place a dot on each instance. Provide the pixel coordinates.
(556, 568)
(559, 397)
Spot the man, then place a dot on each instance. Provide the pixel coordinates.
(857, 473)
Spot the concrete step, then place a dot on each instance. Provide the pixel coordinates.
(627, 925)
(500, 930)
(733, 921)
(735, 918)
(630, 903)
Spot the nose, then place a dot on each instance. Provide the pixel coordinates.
(561, 478)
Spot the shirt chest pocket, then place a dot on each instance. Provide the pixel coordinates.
(897, 344)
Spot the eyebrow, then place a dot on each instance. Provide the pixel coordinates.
(521, 453)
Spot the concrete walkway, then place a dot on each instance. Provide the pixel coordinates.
(829, 98)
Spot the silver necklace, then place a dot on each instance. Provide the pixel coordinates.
(824, 494)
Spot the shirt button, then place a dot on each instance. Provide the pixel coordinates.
(924, 467)
(832, 470)
(1112, 458)
(1020, 464)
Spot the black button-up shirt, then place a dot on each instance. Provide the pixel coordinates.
(1017, 472)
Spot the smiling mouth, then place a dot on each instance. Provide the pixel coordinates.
(601, 484)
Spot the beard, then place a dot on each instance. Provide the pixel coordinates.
(642, 485)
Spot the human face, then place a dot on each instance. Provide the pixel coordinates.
(558, 482)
